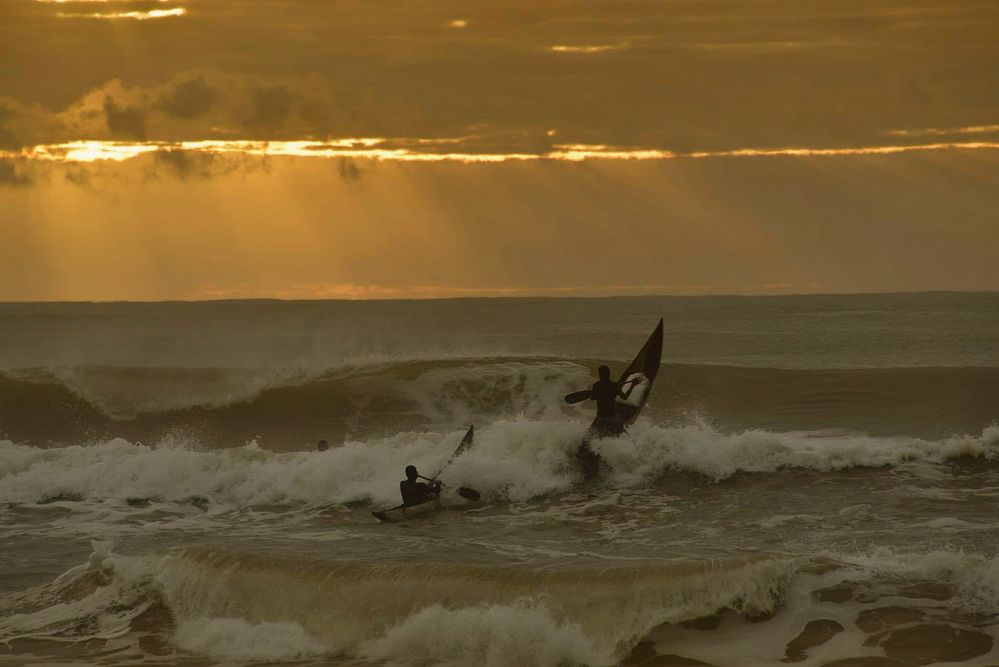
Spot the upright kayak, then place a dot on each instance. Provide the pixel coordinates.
(406, 512)
(642, 373)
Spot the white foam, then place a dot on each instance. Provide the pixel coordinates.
(98, 599)
(975, 576)
(239, 607)
(242, 476)
(647, 450)
(236, 639)
(739, 642)
(511, 460)
(460, 394)
(496, 614)
(496, 635)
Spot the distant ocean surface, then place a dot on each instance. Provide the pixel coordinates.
(815, 480)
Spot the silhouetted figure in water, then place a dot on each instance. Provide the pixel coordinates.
(322, 445)
(414, 492)
(605, 391)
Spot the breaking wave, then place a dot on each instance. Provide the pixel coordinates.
(288, 408)
(239, 607)
(512, 460)
(224, 605)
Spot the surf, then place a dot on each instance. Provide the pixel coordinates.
(232, 606)
(513, 460)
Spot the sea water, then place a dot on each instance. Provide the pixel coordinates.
(814, 480)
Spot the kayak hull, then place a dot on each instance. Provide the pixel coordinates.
(405, 513)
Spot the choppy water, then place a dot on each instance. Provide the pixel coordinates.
(815, 480)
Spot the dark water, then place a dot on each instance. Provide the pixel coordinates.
(815, 480)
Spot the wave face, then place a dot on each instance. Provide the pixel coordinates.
(236, 608)
(916, 364)
(292, 410)
(301, 608)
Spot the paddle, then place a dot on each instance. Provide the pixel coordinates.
(466, 442)
(579, 396)
(463, 491)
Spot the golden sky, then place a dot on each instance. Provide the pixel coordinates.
(185, 149)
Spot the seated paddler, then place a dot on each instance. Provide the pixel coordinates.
(415, 492)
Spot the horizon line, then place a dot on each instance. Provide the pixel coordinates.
(736, 295)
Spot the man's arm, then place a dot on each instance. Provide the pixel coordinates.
(634, 382)
(427, 490)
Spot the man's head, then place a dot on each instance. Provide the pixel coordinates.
(322, 445)
(604, 372)
(411, 473)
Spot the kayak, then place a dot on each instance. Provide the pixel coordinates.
(641, 372)
(403, 513)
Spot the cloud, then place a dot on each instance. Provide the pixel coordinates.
(201, 166)
(185, 165)
(134, 15)
(24, 125)
(945, 131)
(586, 48)
(348, 170)
(206, 103)
(194, 105)
(124, 122)
(271, 106)
(189, 99)
(78, 175)
(431, 151)
(7, 138)
(708, 75)
(14, 173)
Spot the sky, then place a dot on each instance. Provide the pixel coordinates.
(205, 149)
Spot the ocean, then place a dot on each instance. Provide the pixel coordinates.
(814, 480)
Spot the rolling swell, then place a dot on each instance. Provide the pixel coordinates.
(289, 410)
(227, 605)
(385, 611)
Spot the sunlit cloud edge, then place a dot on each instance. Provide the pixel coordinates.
(135, 15)
(91, 2)
(945, 131)
(384, 150)
(586, 48)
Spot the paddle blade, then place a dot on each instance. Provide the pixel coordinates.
(577, 396)
(469, 494)
(466, 442)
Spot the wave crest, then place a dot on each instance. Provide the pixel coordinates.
(511, 461)
(236, 606)
(288, 406)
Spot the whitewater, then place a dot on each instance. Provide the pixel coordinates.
(815, 481)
